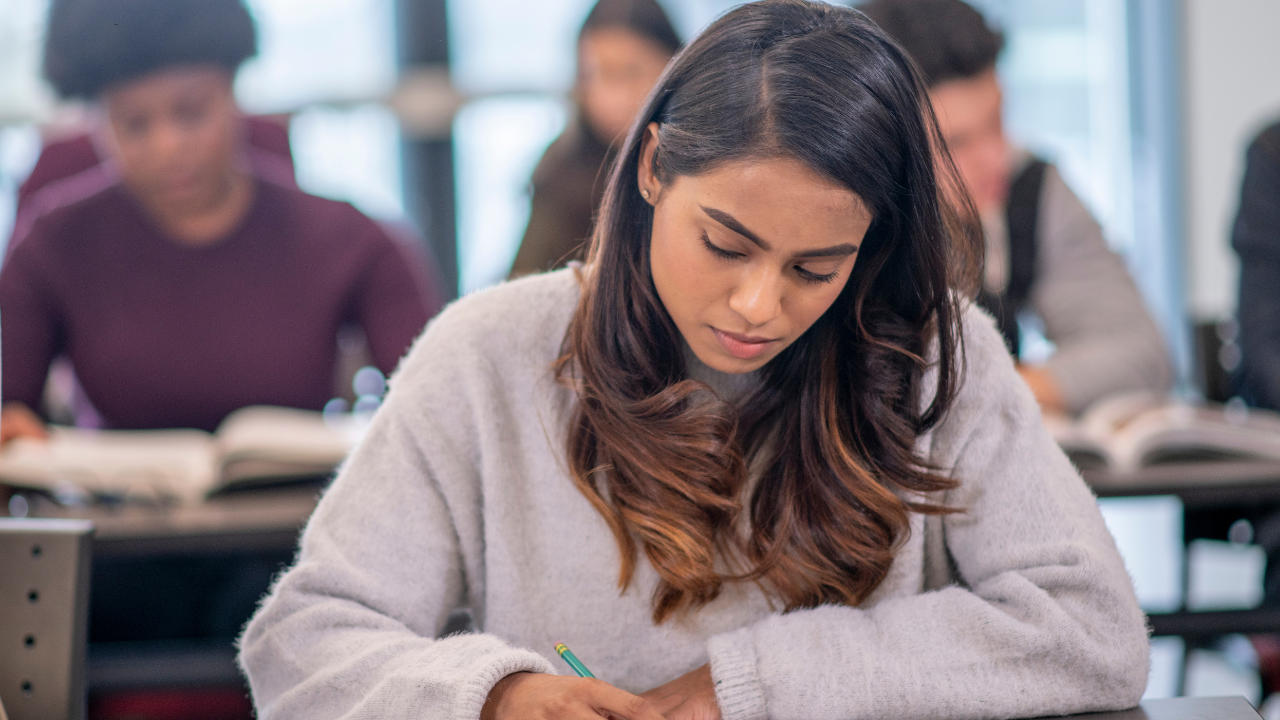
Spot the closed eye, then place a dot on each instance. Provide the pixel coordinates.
(809, 276)
(719, 251)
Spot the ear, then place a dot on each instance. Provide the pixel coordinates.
(650, 187)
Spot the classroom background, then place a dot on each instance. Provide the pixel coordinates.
(435, 112)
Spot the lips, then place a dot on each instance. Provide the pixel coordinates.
(743, 347)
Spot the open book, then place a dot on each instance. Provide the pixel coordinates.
(253, 445)
(1132, 431)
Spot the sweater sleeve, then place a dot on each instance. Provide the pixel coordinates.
(1106, 340)
(32, 326)
(1256, 238)
(396, 296)
(1043, 620)
(350, 631)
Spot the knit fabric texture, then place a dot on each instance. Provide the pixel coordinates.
(459, 496)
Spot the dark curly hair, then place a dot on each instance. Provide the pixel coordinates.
(834, 419)
(948, 39)
(92, 45)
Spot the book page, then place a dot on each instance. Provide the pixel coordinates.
(1181, 432)
(274, 442)
(1084, 450)
(142, 464)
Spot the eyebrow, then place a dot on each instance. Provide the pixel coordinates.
(730, 222)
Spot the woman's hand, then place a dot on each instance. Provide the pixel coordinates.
(17, 420)
(691, 696)
(535, 696)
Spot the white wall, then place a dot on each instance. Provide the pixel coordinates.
(1232, 91)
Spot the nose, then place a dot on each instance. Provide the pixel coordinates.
(168, 142)
(758, 296)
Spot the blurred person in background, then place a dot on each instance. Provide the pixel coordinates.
(622, 49)
(1044, 251)
(186, 282)
(1256, 238)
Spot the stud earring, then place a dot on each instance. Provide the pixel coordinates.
(644, 194)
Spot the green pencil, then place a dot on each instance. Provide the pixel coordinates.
(567, 655)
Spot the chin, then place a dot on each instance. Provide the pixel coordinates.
(189, 200)
(720, 362)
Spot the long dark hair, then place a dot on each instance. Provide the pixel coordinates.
(833, 422)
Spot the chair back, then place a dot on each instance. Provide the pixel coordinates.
(1218, 359)
(44, 613)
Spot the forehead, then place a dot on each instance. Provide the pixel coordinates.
(965, 103)
(167, 85)
(615, 43)
(780, 199)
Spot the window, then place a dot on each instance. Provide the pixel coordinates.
(1091, 86)
(517, 60)
(327, 61)
(24, 99)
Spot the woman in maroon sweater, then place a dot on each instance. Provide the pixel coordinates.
(181, 282)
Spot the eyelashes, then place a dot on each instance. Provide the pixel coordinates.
(805, 275)
(814, 277)
(719, 251)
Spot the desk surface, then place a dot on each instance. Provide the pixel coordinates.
(271, 517)
(1223, 708)
(265, 519)
(1199, 484)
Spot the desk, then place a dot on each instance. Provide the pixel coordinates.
(270, 519)
(1228, 708)
(244, 521)
(247, 522)
(1202, 486)
(1199, 484)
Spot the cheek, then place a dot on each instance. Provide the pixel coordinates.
(217, 136)
(968, 162)
(137, 160)
(637, 90)
(132, 150)
(684, 277)
(811, 303)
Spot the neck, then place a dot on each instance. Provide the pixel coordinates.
(212, 221)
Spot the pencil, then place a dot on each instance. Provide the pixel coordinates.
(567, 655)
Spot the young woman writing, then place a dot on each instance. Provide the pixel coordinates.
(759, 457)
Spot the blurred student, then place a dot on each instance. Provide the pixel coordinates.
(622, 49)
(1045, 252)
(184, 282)
(1256, 238)
(72, 159)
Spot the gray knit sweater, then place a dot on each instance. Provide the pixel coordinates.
(459, 497)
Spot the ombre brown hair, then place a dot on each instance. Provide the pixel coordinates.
(832, 423)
